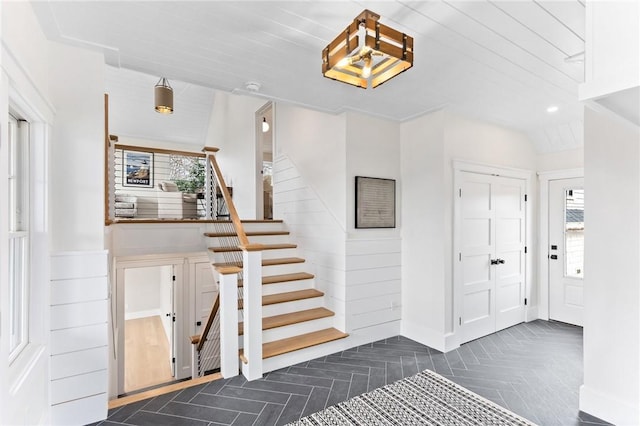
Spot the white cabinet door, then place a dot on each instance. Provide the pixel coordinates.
(205, 295)
(491, 225)
(566, 250)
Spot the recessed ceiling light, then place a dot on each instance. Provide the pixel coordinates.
(552, 109)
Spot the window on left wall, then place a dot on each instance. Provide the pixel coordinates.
(19, 247)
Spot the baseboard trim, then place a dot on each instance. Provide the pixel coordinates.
(130, 399)
(451, 342)
(531, 314)
(142, 314)
(608, 408)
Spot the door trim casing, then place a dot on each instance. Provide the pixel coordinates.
(544, 179)
(181, 292)
(460, 166)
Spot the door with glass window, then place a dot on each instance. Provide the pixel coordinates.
(566, 250)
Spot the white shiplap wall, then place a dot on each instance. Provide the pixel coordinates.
(373, 270)
(79, 347)
(360, 277)
(320, 238)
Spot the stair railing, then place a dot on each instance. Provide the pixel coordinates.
(227, 301)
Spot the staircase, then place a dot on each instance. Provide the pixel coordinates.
(294, 315)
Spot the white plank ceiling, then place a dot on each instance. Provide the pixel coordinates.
(500, 61)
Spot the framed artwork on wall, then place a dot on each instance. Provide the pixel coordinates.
(375, 202)
(138, 169)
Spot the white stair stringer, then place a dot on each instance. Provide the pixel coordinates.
(289, 331)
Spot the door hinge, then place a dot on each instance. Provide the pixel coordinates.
(460, 192)
(173, 278)
(525, 301)
(460, 256)
(525, 197)
(459, 320)
(174, 318)
(173, 360)
(525, 249)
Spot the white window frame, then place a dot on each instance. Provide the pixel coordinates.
(19, 237)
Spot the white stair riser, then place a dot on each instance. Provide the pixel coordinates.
(263, 226)
(262, 239)
(280, 253)
(288, 268)
(294, 306)
(289, 307)
(302, 355)
(266, 254)
(296, 329)
(270, 239)
(286, 286)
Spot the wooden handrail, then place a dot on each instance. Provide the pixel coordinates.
(207, 327)
(233, 213)
(159, 150)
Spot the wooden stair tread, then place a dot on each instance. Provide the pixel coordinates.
(265, 262)
(288, 296)
(291, 318)
(290, 344)
(272, 279)
(283, 278)
(264, 247)
(249, 234)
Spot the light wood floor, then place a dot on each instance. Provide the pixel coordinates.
(146, 354)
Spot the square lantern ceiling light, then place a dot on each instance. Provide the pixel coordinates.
(367, 53)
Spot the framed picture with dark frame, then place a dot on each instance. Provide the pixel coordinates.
(375, 202)
(138, 169)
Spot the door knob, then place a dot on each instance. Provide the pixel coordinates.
(494, 261)
(501, 261)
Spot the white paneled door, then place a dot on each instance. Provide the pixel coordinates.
(566, 250)
(492, 220)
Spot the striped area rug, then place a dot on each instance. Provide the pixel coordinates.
(424, 399)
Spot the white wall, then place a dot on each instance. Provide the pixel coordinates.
(429, 144)
(373, 259)
(79, 342)
(612, 57)
(24, 385)
(611, 387)
(612, 44)
(317, 157)
(316, 143)
(77, 148)
(423, 234)
(142, 289)
(232, 129)
(60, 90)
(561, 160)
(133, 239)
(308, 194)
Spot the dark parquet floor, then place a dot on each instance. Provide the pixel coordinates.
(533, 369)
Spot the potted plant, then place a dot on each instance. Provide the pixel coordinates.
(194, 182)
